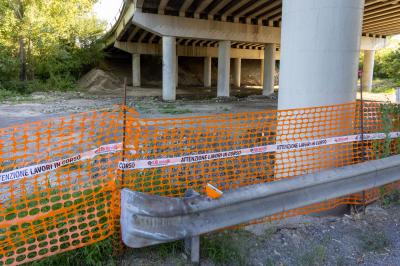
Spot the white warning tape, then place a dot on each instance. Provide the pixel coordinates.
(51, 166)
(155, 163)
(284, 146)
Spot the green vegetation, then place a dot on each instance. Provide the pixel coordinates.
(96, 254)
(390, 199)
(227, 248)
(384, 86)
(172, 109)
(374, 241)
(387, 65)
(46, 45)
(390, 114)
(315, 257)
(386, 68)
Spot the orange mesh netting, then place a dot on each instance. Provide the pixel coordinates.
(60, 178)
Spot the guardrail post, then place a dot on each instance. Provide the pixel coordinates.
(398, 95)
(192, 248)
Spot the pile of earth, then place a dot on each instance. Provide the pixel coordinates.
(100, 81)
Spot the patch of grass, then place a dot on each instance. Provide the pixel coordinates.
(96, 254)
(227, 248)
(390, 199)
(159, 254)
(170, 249)
(374, 241)
(172, 109)
(314, 257)
(269, 262)
(269, 232)
(384, 86)
(389, 90)
(6, 95)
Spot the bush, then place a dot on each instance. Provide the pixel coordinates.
(387, 65)
(7, 94)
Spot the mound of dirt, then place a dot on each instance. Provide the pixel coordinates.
(100, 81)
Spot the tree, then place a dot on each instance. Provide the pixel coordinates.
(49, 38)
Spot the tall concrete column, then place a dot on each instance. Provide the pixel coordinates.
(136, 70)
(224, 59)
(262, 72)
(269, 68)
(237, 71)
(320, 42)
(169, 68)
(177, 72)
(368, 70)
(207, 72)
(320, 45)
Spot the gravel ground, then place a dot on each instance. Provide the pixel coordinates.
(41, 106)
(357, 239)
(191, 102)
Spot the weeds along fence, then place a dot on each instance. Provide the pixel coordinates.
(60, 178)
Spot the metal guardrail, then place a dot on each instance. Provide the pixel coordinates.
(148, 219)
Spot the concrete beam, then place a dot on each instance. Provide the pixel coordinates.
(371, 43)
(182, 27)
(189, 51)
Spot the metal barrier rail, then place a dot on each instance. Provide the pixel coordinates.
(149, 219)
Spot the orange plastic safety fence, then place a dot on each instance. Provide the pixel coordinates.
(158, 140)
(63, 198)
(59, 179)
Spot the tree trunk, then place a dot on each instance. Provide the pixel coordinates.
(22, 59)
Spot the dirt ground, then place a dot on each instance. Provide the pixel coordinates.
(191, 101)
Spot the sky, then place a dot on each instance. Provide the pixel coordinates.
(107, 9)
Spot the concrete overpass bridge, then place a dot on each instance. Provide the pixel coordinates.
(317, 41)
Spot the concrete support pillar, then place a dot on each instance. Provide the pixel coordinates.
(224, 54)
(269, 68)
(177, 72)
(320, 42)
(368, 70)
(320, 45)
(237, 71)
(136, 70)
(262, 72)
(207, 72)
(169, 68)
